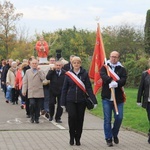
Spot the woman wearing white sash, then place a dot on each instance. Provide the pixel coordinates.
(73, 97)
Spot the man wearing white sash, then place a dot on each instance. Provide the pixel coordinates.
(114, 78)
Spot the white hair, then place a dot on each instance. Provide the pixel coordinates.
(14, 62)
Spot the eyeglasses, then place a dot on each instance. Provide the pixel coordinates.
(114, 57)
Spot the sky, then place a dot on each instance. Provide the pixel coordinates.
(52, 15)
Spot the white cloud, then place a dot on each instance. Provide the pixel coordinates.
(95, 10)
(126, 17)
(44, 13)
(52, 15)
(59, 13)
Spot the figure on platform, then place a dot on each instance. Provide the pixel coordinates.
(42, 49)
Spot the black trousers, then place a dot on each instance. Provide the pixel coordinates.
(27, 103)
(148, 114)
(55, 100)
(4, 89)
(15, 94)
(35, 104)
(76, 113)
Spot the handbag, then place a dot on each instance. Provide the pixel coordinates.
(80, 84)
(89, 103)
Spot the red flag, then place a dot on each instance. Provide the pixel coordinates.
(97, 61)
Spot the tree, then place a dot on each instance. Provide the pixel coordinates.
(125, 39)
(147, 33)
(8, 19)
(129, 42)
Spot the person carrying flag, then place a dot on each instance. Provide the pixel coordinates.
(113, 76)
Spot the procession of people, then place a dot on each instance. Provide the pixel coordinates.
(41, 84)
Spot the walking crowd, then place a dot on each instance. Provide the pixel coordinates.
(42, 85)
(38, 87)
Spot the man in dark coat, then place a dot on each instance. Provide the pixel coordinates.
(68, 66)
(110, 85)
(25, 97)
(143, 95)
(56, 77)
(4, 75)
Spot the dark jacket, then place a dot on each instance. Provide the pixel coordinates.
(4, 73)
(119, 93)
(72, 93)
(67, 66)
(26, 68)
(56, 82)
(143, 91)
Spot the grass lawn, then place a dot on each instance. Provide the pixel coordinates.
(135, 117)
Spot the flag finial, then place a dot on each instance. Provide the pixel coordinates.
(97, 18)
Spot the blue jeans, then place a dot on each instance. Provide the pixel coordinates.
(45, 103)
(108, 107)
(8, 93)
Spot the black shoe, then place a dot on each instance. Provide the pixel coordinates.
(21, 106)
(47, 115)
(51, 118)
(77, 141)
(71, 142)
(32, 120)
(16, 102)
(28, 116)
(58, 121)
(13, 103)
(109, 142)
(36, 121)
(43, 112)
(149, 138)
(116, 140)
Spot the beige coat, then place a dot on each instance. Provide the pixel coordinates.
(33, 82)
(10, 78)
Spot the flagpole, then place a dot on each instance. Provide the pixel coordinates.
(112, 89)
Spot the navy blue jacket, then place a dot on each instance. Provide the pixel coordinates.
(72, 93)
(56, 82)
(4, 73)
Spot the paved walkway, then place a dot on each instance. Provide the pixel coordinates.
(17, 133)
